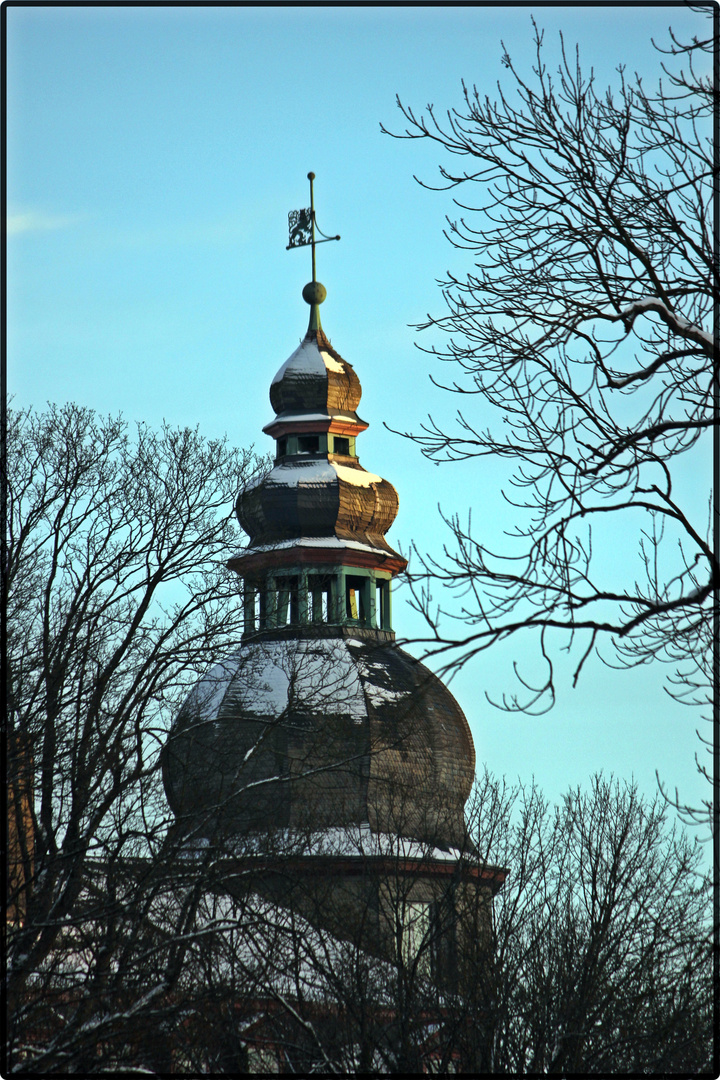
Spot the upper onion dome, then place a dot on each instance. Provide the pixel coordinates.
(315, 379)
(315, 493)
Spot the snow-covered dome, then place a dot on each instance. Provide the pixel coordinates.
(318, 497)
(315, 379)
(315, 489)
(317, 733)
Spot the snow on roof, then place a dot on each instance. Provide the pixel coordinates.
(287, 952)
(292, 473)
(361, 840)
(359, 477)
(333, 542)
(315, 676)
(331, 363)
(352, 840)
(381, 695)
(278, 947)
(374, 674)
(309, 359)
(306, 360)
(320, 675)
(295, 417)
(206, 696)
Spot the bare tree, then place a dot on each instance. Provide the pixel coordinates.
(602, 957)
(141, 944)
(116, 596)
(588, 325)
(599, 960)
(133, 941)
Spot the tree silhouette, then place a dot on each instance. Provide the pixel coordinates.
(587, 329)
(116, 594)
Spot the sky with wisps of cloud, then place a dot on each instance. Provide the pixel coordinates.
(153, 154)
(37, 221)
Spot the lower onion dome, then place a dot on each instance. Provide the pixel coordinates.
(318, 498)
(315, 734)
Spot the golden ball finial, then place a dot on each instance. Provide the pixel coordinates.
(314, 293)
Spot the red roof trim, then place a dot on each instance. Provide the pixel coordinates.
(358, 865)
(275, 429)
(254, 562)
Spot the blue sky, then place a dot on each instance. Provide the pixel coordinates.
(153, 156)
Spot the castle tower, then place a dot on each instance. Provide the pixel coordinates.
(320, 730)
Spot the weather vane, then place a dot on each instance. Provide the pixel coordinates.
(302, 226)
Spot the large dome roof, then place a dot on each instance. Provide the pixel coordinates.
(321, 732)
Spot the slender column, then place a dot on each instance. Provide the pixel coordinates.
(337, 598)
(270, 602)
(303, 597)
(372, 606)
(281, 614)
(317, 605)
(249, 607)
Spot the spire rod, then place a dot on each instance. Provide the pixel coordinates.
(311, 177)
(302, 227)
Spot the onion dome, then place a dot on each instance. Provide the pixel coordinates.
(318, 487)
(318, 498)
(315, 379)
(321, 734)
